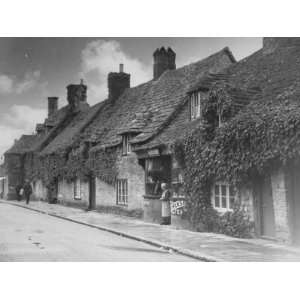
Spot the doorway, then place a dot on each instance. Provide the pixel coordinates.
(92, 192)
(267, 208)
(295, 207)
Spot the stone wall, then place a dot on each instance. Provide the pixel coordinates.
(3, 188)
(66, 190)
(39, 190)
(281, 206)
(246, 199)
(105, 193)
(14, 165)
(127, 168)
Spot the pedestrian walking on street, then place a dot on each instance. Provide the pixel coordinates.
(27, 191)
(165, 205)
(19, 192)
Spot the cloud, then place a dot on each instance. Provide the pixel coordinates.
(6, 84)
(20, 119)
(30, 80)
(10, 84)
(100, 57)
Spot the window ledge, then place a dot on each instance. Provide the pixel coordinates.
(223, 210)
(154, 197)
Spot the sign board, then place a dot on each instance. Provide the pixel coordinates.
(177, 207)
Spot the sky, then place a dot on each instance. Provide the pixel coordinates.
(32, 69)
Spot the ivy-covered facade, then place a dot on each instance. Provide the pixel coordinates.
(240, 160)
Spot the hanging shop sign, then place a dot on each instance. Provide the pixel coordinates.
(177, 207)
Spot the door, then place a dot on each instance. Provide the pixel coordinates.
(295, 208)
(92, 192)
(267, 209)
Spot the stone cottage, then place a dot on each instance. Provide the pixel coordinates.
(255, 112)
(114, 155)
(87, 155)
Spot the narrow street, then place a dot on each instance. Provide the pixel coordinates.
(30, 236)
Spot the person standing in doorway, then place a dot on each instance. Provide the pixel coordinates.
(165, 205)
(27, 191)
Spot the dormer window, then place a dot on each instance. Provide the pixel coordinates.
(126, 145)
(195, 105)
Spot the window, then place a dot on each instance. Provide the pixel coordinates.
(122, 191)
(195, 105)
(77, 189)
(223, 197)
(158, 170)
(177, 181)
(126, 144)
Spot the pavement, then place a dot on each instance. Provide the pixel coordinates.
(201, 246)
(26, 235)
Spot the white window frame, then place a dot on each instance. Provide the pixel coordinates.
(125, 144)
(228, 197)
(77, 189)
(122, 192)
(195, 105)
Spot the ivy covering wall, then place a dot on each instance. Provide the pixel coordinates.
(260, 138)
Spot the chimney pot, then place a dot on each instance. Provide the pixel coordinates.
(76, 95)
(52, 106)
(163, 60)
(117, 83)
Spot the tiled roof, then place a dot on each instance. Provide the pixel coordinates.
(156, 99)
(261, 76)
(56, 120)
(275, 74)
(181, 125)
(72, 129)
(23, 144)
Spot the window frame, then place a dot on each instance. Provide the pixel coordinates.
(77, 189)
(122, 191)
(157, 175)
(195, 105)
(228, 197)
(126, 146)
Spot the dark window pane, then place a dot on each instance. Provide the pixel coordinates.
(217, 201)
(224, 205)
(223, 190)
(231, 191)
(231, 202)
(216, 190)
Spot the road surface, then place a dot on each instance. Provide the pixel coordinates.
(26, 235)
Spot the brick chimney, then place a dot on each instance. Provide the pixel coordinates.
(52, 106)
(77, 95)
(40, 128)
(271, 44)
(117, 83)
(163, 60)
